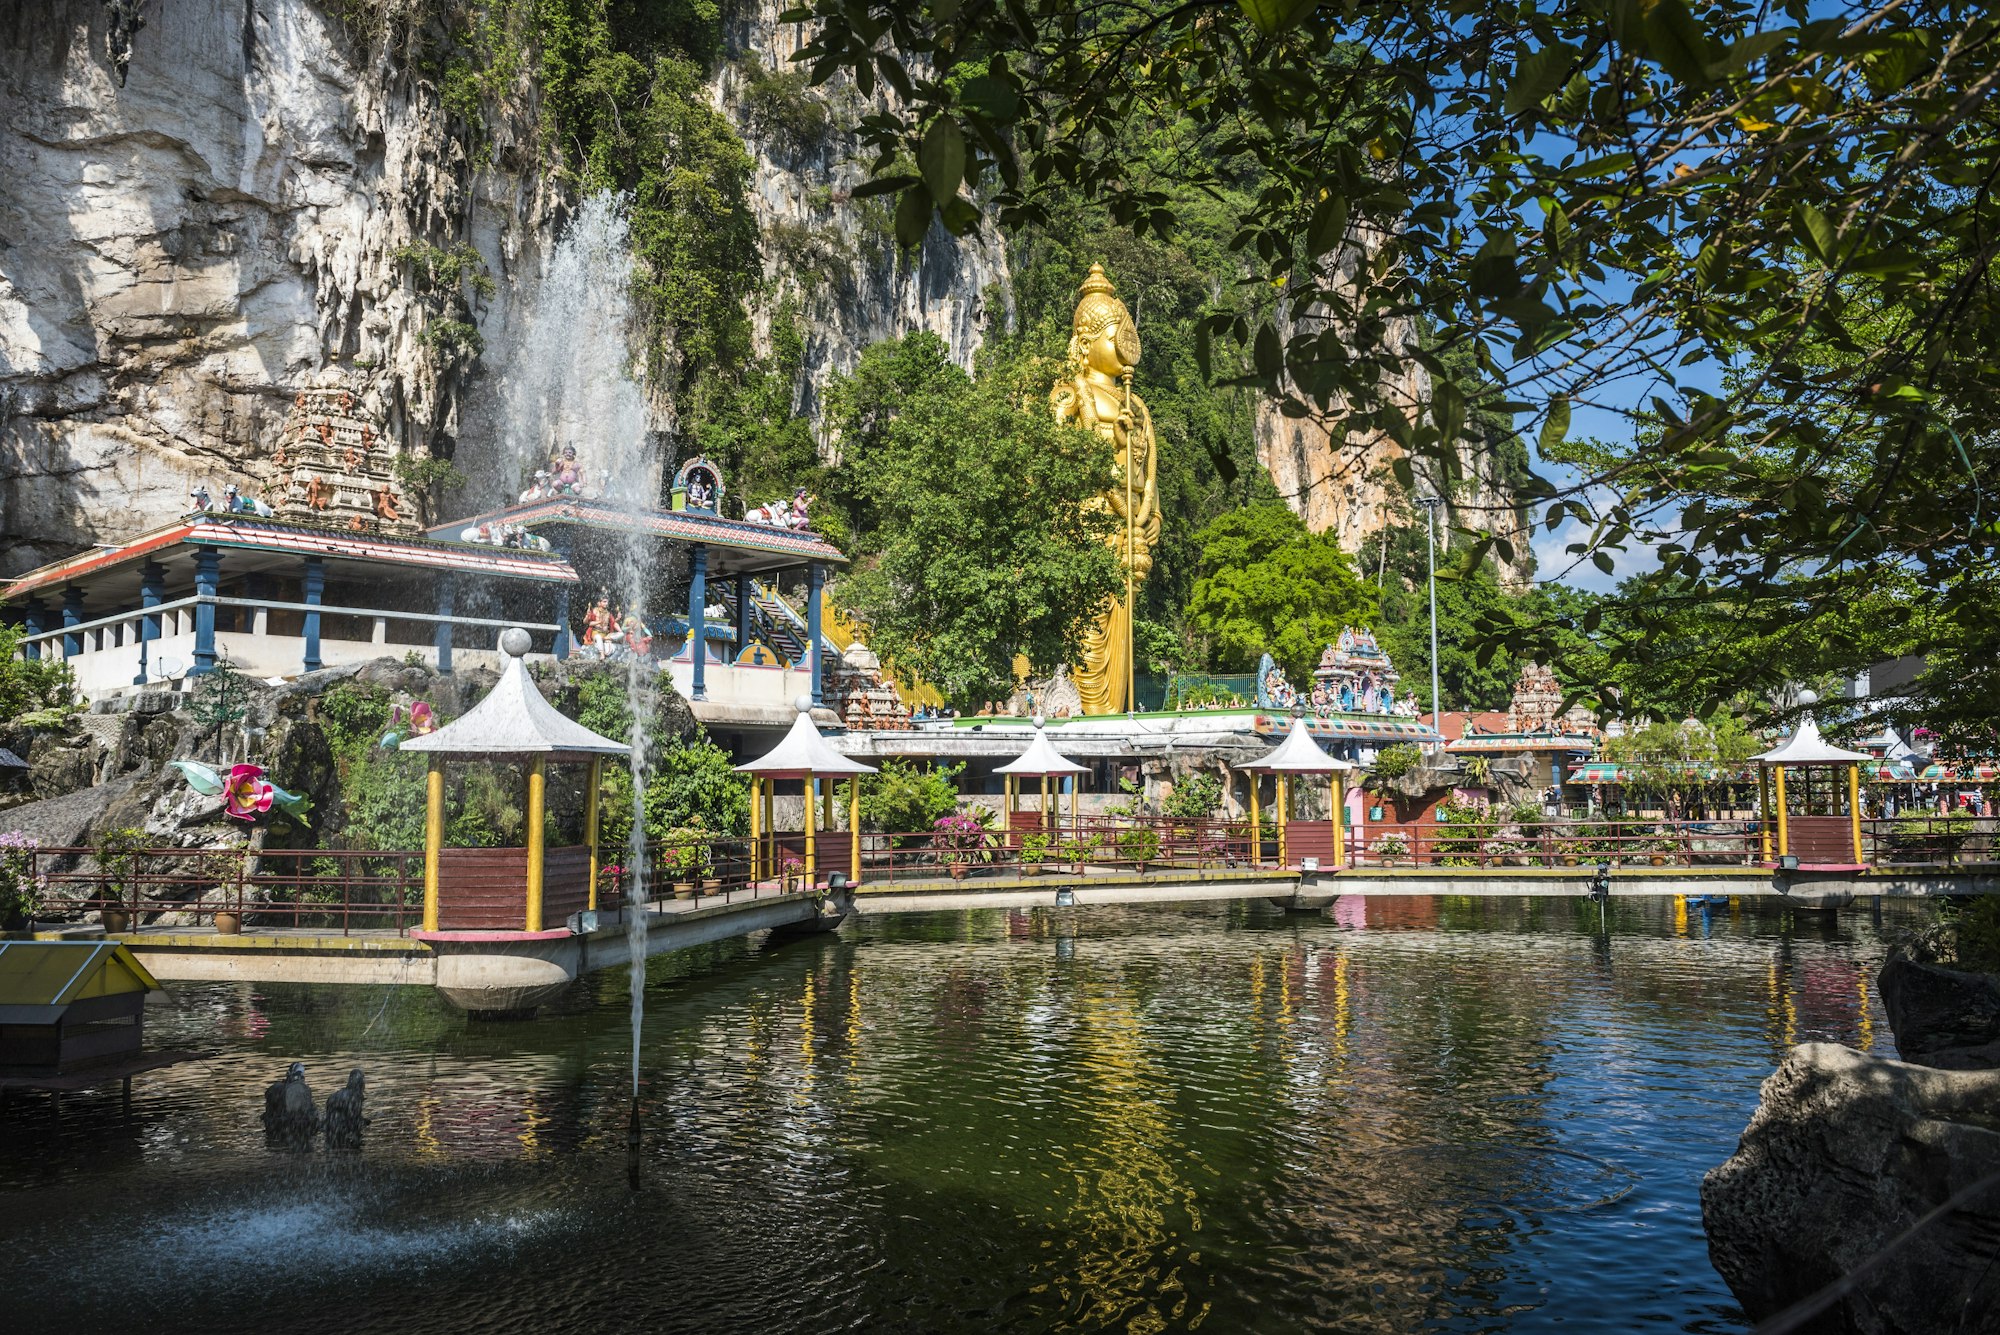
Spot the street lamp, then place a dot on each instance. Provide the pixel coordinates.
(1431, 504)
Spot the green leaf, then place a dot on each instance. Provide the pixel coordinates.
(913, 218)
(1274, 16)
(1268, 354)
(1814, 232)
(881, 185)
(1556, 426)
(1538, 76)
(1328, 225)
(992, 98)
(941, 157)
(1677, 42)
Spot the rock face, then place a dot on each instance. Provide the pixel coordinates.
(1844, 1154)
(188, 242)
(1945, 1018)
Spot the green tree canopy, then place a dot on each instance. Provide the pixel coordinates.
(973, 533)
(1267, 583)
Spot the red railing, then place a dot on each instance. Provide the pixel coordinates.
(305, 888)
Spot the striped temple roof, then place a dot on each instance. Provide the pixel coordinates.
(1478, 742)
(680, 525)
(1352, 727)
(249, 532)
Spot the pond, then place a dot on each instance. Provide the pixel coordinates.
(1452, 1115)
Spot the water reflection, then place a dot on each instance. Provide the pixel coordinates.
(1462, 1115)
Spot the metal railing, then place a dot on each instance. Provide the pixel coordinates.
(305, 888)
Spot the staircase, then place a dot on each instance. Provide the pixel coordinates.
(774, 621)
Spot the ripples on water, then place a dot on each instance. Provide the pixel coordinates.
(1409, 1115)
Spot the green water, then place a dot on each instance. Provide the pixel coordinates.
(1407, 1115)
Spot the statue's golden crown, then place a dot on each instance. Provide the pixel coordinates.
(1097, 308)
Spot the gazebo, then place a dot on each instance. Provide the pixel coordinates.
(1299, 753)
(802, 754)
(511, 889)
(1041, 760)
(1810, 839)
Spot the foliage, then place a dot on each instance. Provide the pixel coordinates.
(117, 852)
(1390, 848)
(221, 697)
(1196, 795)
(1479, 769)
(34, 693)
(906, 796)
(1393, 762)
(958, 838)
(975, 540)
(1776, 214)
(1035, 848)
(1139, 844)
(782, 105)
(696, 784)
(1269, 584)
(1464, 830)
(689, 854)
(20, 883)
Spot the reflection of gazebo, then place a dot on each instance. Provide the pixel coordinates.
(802, 754)
(482, 889)
(1300, 754)
(1824, 840)
(1041, 760)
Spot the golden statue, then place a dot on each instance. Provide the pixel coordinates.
(1096, 394)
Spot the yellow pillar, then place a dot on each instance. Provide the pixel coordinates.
(1784, 827)
(854, 830)
(433, 840)
(1256, 822)
(774, 864)
(756, 828)
(826, 821)
(590, 822)
(1074, 828)
(1339, 821)
(1043, 812)
(812, 851)
(537, 779)
(1763, 811)
(1284, 856)
(1854, 806)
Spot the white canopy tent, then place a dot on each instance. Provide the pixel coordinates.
(801, 754)
(1299, 753)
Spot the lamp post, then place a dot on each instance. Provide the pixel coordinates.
(1431, 504)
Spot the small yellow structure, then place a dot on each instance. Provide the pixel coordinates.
(1299, 753)
(70, 1004)
(803, 754)
(1817, 838)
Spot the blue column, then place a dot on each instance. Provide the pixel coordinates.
(447, 590)
(72, 613)
(315, 593)
(815, 581)
(560, 543)
(698, 619)
(34, 609)
(742, 612)
(152, 592)
(207, 579)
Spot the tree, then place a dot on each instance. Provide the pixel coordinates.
(1267, 583)
(975, 537)
(1608, 204)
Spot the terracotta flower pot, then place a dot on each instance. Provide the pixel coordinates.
(959, 870)
(115, 921)
(1031, 869)
(228, 923)
(711, 885)
(683, 889)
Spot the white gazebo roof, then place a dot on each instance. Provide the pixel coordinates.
(1041, 758)
(1299, 753)
(803, 751)
(1806, 747)
(514, 719)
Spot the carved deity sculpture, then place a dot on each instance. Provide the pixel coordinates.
(1096, 394)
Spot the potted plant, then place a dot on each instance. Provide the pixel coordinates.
(224, 868)
(1034, 852)
(20, 887)
(1077, 851)
(1138, 846)
(117, 853)
(683, 865)
(957, 840)
(1390, 848)
(791, 872)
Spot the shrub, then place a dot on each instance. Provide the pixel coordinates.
(20, 885)
(1195, 796)
(1393, 762)
(906, 796)
(958, 838)
(1138, 844)
(1390, 848)
(1035, 848)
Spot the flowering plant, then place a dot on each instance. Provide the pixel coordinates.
(959, 836)
(20, 886)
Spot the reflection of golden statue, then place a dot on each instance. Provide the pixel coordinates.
(1096, 394)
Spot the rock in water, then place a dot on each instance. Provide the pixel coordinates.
(1844, 1153)
(1946, 1018)
(291, 1116)
(344, 1117)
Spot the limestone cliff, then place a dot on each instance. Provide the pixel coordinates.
(212, 209)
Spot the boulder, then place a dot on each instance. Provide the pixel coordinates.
(1947, 1018)
(1845, 1153)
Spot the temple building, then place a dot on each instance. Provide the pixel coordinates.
(1534, 730)
(331, 568)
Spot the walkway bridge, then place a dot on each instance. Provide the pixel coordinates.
(355, 916)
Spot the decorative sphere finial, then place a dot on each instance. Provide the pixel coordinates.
(803, 704)
(1808, 698)
(1039, 720)
(515, 642)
